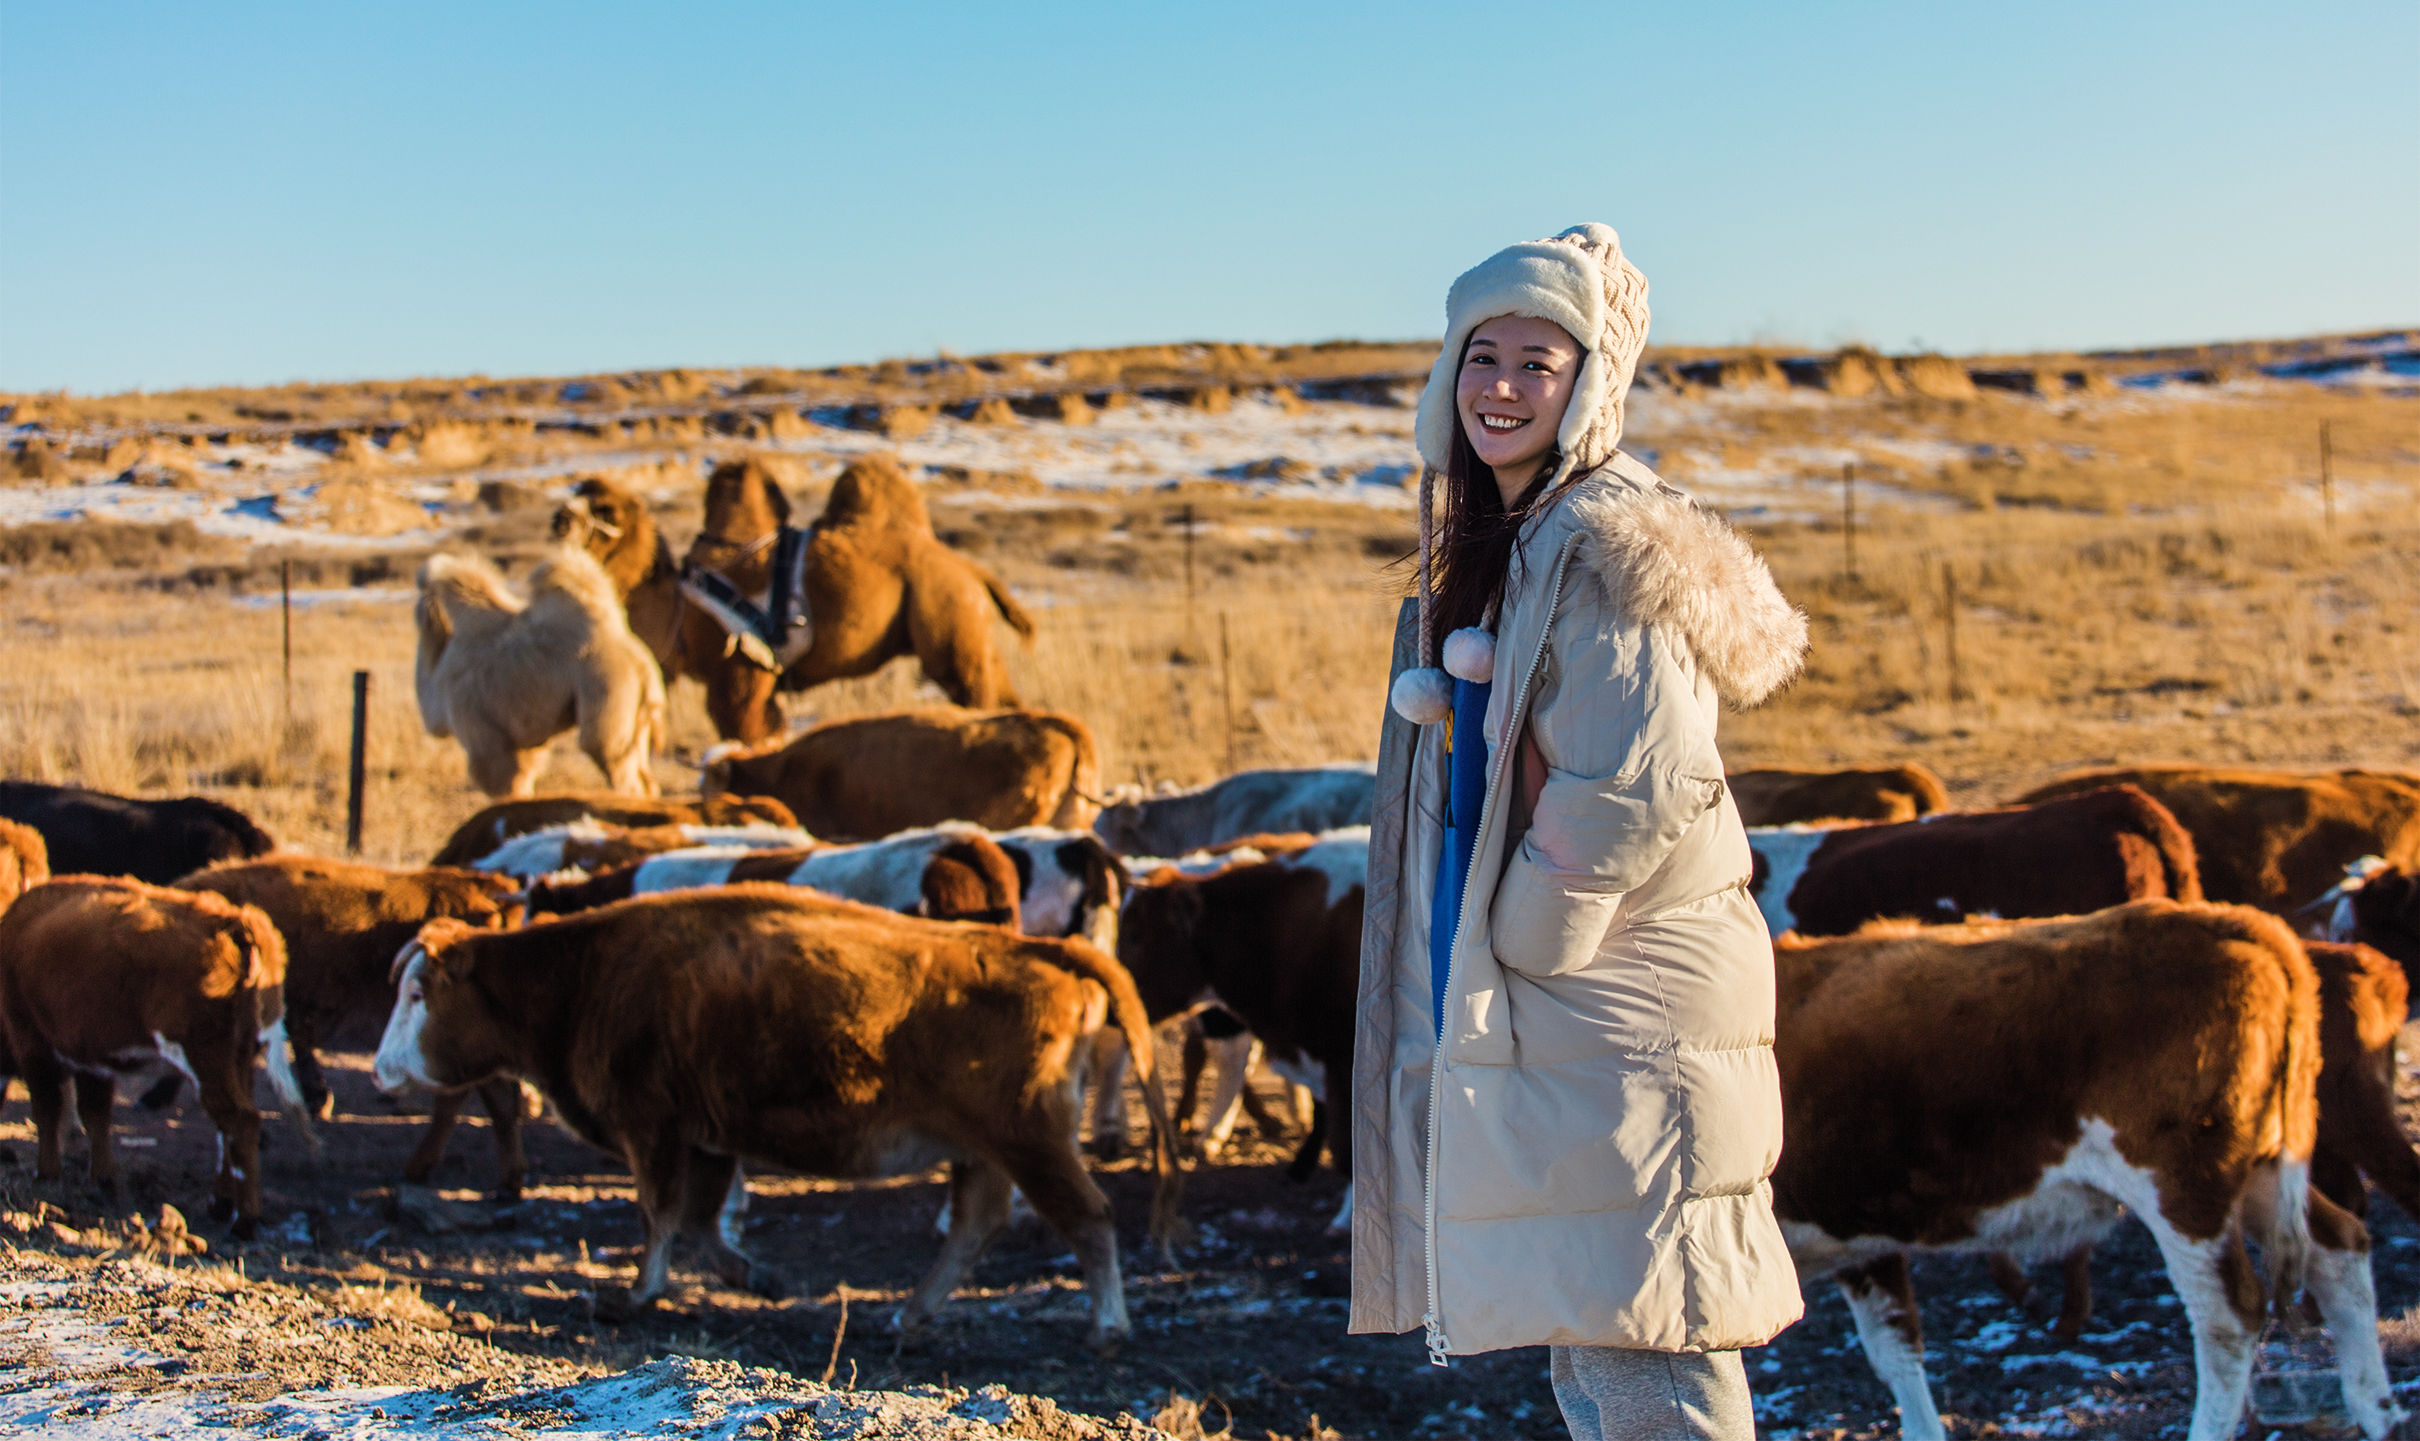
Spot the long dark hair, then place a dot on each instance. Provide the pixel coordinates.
(1475, 535)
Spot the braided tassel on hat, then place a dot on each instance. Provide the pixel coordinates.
(1424, 695)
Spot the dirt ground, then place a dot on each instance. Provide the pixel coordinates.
(1247, 1323)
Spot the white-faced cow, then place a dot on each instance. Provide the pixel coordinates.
(2059, 858)
(103, 978)
(2018, 1087)
(691, 1032)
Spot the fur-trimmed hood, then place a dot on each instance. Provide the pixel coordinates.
(1666, 561)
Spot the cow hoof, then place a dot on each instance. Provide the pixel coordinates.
(612, 1305)
(324, 1108)
(1106, 1342)
(245, 1228)
(766, 1282)
(221, 1208)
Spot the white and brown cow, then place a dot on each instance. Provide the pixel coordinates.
(1068, 883)
(494, 824)
(592, 845)
(2059, 858)
(343, 922)
(2018, 1087)
(693, 1031)
(1309, 799)
(102, 978)
(1277, 942)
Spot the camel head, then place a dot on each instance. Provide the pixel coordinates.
(744, 502)
(613, 525)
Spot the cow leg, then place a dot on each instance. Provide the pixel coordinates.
(1234, 1057)
(2075, 1294)
(303, 1034)
(660, 1177)
(2008, 1273)
(2224, 1302)
(445, 1108)
(2338, 1274)
(1306, 1156)
(1191, 1059)
(978, 1209)
(162, 1094)
(96, 1097)
(46, 1091)
(1055, 1181)
(229, 1105)
(714, 1201)
(1882, 1301)
(501, 1095)
(1109, 1063)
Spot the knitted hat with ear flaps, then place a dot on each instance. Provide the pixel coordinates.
(1580, 281)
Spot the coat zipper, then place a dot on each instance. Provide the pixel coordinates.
(1438, 1347)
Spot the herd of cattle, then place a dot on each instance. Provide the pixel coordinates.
(2168, 989)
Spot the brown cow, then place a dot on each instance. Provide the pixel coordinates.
(2011, 1086)
(2382, 909)
(103, 977)
(2275, 839)
(878, 585)
(1777, 796)
(616, 527)
(24, 861)
(871, 776)
(495, 824)
(971, 879)
(343, 923)
(2363, 1003)
(692, 1031)
(2059, 858)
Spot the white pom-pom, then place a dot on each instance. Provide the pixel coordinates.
(1470, 654)
(1423, 696)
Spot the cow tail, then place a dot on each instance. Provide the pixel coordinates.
(1081, 801)
(2180, 863)
(1019, 619)
(264, 953)
(1134, 1023)
(2283, 1223)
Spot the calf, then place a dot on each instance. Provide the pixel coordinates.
(343, 923)
(2009, 1087)
(94, 833)
(495, 824)
(1276, 942)
(101, 978)
(1313, 799)
(24, 861)
(588, 845)
(1781, 797)
(2060, 858)
(2274, 839)
(690, 1032)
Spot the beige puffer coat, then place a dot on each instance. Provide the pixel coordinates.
(1608, 1112)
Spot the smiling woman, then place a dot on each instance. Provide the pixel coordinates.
(1567, 1109)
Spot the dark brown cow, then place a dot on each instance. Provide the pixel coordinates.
(343, 923)
(24, 861)
(2011, 1086)
(96, 833)
(692, 1031)
(493, 825)
(2384, 911)
(971, 879)
(2060, 858)
(1278, 944)
(871, 776)
(1777, 796)
(103, 977)
(2275, 839)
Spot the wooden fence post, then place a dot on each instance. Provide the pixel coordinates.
(285, 610)
(1226, 681)
(357, 773)
(1949, 615)
(1848, 516)
(2327, 477)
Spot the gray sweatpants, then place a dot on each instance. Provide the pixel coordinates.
(1609, 1394)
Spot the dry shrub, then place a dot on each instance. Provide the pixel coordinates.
(1182, 1418)
(903, 422)
(1073, 408)
(994, 411)
(450, 445)
(786, 423)
(45, 547)
(351, 505)
(1936, 377)
(1211, 399)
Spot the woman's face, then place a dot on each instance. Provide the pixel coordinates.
(1516, 381)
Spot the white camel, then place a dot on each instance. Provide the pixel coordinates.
(505, 677)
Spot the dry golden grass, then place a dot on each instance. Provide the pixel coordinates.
(2151, 582)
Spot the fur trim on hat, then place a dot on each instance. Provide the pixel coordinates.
(1666, 562)
(1580, 281)
(1470, 654)
(1423, 695)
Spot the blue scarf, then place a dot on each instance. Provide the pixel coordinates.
(1466, 795)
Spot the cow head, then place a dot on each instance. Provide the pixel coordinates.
(441, 1033)
(1159, 938)
(2386, 914)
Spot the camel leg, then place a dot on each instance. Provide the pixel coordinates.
(740, 701)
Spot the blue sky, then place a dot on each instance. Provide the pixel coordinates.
(205, 194)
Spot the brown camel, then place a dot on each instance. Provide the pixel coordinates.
(616, 527)
(879, 584)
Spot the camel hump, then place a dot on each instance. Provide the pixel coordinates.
(575, 575)
(876, 491)
(466, 580)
